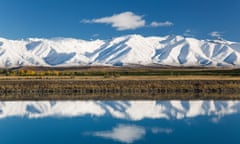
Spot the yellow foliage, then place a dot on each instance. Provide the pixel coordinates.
(21, 72)
(30, 72)
(56, 73)
(48, 73)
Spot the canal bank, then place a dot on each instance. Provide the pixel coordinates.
(118, 89)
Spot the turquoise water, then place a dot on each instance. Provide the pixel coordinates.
(74, 122)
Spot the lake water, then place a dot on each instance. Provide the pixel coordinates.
(108, 122)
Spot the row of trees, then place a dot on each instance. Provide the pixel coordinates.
(32, 73)
(22, 72)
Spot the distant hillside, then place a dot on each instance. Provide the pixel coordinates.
(127, 50)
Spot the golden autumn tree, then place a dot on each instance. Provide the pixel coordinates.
(55, 73)
(30, 72)
(21, 72)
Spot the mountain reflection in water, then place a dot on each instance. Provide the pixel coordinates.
(119, 122)
(131, 110)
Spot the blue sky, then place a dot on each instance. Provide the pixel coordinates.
(91, 19)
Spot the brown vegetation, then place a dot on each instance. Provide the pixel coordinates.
(68, 88)
(36, 83)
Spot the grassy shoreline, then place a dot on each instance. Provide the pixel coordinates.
(119, 83)
(119, 88)
(118, 71)
(130, 77)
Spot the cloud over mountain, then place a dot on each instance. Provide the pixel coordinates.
(215, 34)
(122, 21)
(127, 21)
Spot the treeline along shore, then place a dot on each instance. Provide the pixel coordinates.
(123, 88)
(119, 83)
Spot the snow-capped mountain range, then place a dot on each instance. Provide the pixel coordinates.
(129, 110)
(120, 51)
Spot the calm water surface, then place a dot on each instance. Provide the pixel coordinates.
(160, 122)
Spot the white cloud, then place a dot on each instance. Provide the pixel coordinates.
(95, 35)
(127, 21)
(188, 30)
(188, 33)
(122, 21)
(86, 21)
(215, 34)
(215, 120)
(123, 133)
(161, 24)
(161, 130)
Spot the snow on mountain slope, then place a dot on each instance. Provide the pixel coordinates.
(131, 110)
(125, 50)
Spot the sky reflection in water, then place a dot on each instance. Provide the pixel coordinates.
(120, 122)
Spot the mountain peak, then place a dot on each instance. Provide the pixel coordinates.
(171, 50)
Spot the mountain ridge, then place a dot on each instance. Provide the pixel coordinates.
(171, 50)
